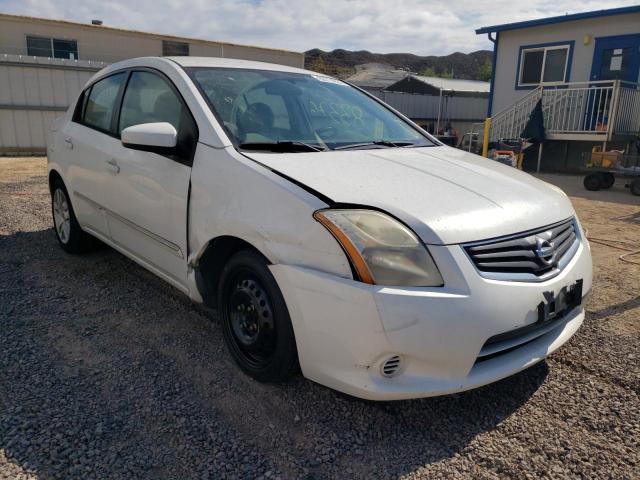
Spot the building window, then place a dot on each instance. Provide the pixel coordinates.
(52, 47)
(544, 65)
(175, 49)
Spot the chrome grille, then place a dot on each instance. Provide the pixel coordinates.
(533, 254)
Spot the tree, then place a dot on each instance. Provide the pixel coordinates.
(432, 72)
(320, 66)
(428, 72)
(484, 72)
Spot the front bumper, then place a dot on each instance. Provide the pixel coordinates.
(345, 329)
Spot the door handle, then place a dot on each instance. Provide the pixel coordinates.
(113, 165)
(69, 143)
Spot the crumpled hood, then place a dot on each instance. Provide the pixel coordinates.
(446, 195)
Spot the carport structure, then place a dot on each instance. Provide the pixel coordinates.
(447, 89)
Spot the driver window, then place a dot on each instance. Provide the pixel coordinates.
(149, 99)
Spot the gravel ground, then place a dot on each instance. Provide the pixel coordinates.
(107, 372)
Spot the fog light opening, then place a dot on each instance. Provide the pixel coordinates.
(391, 366)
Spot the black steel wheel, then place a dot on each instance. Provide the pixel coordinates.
(608, 179)
(593, 182)
(255, 320)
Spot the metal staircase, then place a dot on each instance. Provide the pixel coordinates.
(592, 111)
(509, 123)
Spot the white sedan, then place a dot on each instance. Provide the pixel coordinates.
(332, 234)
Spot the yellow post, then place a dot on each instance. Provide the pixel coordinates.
(485, 141)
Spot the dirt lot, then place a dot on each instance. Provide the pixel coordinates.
(107, 372)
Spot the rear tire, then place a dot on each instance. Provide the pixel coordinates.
(70, 235)
(593, 182)
(608, 179)
(255, 320)
(635, 186)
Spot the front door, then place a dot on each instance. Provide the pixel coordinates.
(148, 206)
(616, 58)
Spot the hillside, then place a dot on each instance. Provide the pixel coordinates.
(472, 66)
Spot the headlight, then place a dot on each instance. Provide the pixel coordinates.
(382, 250)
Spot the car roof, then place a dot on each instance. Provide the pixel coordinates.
(233, 63)
(213, 62)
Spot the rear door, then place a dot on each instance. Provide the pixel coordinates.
(148, 206)
(88, 138)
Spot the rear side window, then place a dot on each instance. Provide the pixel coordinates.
(101, 102)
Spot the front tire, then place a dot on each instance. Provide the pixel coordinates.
(70, 235)
(255, 320)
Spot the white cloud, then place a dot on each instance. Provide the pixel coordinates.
(423, 27)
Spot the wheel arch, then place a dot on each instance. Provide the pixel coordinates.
(212, 260)
(53, 176)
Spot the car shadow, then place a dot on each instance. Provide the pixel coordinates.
(433, 429)
(632, 218)
(108, 372)
(615, 309)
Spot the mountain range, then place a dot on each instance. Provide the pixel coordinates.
(341, 63)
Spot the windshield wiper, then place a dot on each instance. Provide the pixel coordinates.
(382, 143)
(284, 146)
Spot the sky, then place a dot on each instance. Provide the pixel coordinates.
(423, 27)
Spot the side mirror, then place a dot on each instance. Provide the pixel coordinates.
(153, 137)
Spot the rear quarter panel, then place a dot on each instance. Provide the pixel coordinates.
(56, 159)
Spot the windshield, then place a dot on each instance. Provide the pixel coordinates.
(263, 109)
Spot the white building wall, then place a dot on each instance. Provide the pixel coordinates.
(113, 44)
(510, 41)
(33, 92)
